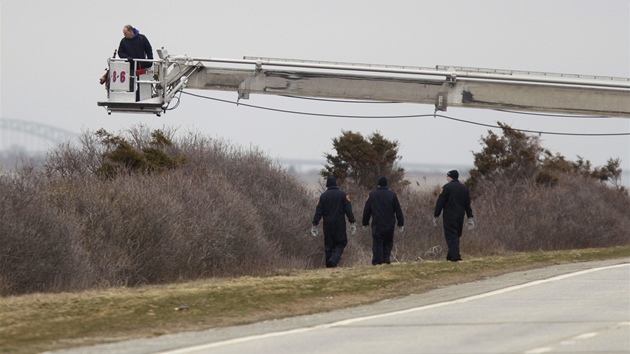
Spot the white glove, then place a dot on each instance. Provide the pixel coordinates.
(314, 231)
(471, 224)
(353, 228)
(435, 220)
(401, 229)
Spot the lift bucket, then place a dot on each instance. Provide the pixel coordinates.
(133, 90)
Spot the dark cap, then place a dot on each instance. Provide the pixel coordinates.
(453, 174)
(331, 182)
(382, 181)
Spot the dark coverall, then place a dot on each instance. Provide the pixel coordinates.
(454, 199)
(383, 207)
(334, 205)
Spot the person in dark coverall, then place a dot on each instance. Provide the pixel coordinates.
(334, 206)
(383, 207)
(454, 200)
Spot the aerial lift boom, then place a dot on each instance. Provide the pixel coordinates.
(152, 90)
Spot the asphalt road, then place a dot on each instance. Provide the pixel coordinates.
(573, 308)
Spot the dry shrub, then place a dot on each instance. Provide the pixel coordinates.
(152, 229)
(420, 240)
(577, 213)
(282, 202)
(227, 211)
(40, 250)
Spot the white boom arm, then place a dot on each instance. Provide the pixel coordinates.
(152, 90)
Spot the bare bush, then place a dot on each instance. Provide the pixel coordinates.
(421, 240)
(577, 213)
(226, 211)
(282, 202)
(222, 210)
(39, 245)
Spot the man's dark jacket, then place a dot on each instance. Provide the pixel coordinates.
(383, 206)
(137, 47)
(454, 199)
(334, 204)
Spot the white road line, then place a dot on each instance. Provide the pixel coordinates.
(586, 335)
(364, 318)
(539, 350)
(572, 341)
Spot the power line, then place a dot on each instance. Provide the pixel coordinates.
(301, 113)
(498, 110)
(338, 100)
(540, 132)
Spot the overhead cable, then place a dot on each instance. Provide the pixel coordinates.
(540, 132)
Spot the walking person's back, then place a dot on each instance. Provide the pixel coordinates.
(334, 206)
(454, 203)
(383, 207)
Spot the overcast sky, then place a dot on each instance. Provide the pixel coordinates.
(53, 53)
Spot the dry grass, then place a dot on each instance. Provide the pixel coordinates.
(37, 322)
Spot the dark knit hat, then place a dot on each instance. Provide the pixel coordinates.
(453, 174)
(382, 182)
(331, 182)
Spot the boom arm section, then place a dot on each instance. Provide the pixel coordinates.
(440, 86)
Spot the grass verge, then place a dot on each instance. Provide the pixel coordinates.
(39, 322)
